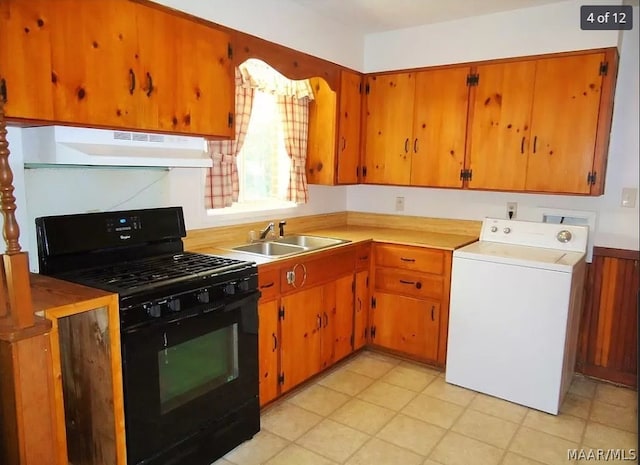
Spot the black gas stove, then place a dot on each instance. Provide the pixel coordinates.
(188, 324)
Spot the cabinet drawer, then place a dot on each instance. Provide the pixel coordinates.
(409, 283)
(268, 283)
(410, 258)
(307, 272)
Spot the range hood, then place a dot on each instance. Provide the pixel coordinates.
(63, 145)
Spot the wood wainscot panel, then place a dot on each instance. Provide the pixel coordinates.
(608, 340)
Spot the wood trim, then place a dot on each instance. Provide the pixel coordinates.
(616, 253)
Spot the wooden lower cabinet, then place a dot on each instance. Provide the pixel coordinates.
(268, 345)
(608, 340)
(340, 300)
(361, 309)
(406, 324)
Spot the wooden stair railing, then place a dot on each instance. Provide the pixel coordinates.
(27, 431)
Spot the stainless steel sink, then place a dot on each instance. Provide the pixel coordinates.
(289, 245)
(311, 242)
(269, 249)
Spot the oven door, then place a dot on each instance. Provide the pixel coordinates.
(184, 374)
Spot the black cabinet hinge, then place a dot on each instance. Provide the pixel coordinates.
(364, 171)
(604, 68)
(230, 120)
(281, 378)
(373, 332)
(360, 88)
(229, 51)
(373, 302)
(367, 89)
(591, 177)
(3, 90)
(366, 282)
(353, 285)
(352, 339)
(281, 313)
(357, 172)
(466, 175)
(473, 79)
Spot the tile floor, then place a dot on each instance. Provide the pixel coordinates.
(374, 409)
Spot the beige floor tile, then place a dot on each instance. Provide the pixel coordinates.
(379, 452)
(257, 450)
(387, 395)
(449, 392)
(514, 459)
(575, 405)
(296, 455)
(348, 382)
(456, 449)
(421, 367)
(333, 440)
(383, 356)
(363, 416)
(542, 447)
(408, 377)
(487, 428)
(435, 411)
(498, 407)
(584, 387)
(288, 420)
(601, 436)
(622, 397)
(612, 415)
(412, 434)
(372, 366)
(563, 426)
(319, 399)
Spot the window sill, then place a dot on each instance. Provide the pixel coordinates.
(255, 209)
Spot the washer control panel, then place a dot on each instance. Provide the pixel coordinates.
(530, 233)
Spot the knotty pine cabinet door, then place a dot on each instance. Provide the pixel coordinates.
(349, 128)
(268, 346)
(439, 127)
(389, 119)
(361, 309)
(339, 302)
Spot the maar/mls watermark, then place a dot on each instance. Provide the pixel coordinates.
(602, 454)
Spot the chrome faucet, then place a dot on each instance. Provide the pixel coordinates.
(265, 231)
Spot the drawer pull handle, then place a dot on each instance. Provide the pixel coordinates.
(433, 309)
(406, 146)
(275, 342)
(326, 319)
(407, 282)
(264, 286)
(364, 257)
(132, 81)
(319, 320)
(410, 260)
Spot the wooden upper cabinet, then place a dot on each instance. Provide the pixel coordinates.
(389, 119)
(564, 123)
(333, 149)
(115, 64)
(499, 133)
(542, 125)
(439, 127)
(349, 111)
(25, 58)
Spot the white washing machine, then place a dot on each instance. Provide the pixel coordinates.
(516, 298)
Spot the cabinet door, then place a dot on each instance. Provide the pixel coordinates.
(321, 145)
(439, 127)
(500, 125)
(340, 303)
(389, 118)
(407, 325)
(564, 123)
(300, 345)
(94, 63)
(350, 108)
(25, 58)
(361, 309)
(268, 350)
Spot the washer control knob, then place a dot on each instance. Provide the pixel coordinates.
(564, 236)
(494, 228)
(506, 230)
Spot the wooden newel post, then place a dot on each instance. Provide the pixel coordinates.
(15, 292)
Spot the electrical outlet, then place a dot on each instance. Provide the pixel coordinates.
(629, 195)
(512, 210)
(399, 204)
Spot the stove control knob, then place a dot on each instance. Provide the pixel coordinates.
(506, 230)
(203, 297)
(154, 311)
(174, 305)
(229, 289)
(564, 236)
(243, 285)
(494, 228)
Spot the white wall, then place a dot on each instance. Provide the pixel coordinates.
(544, 29)
(283, 22)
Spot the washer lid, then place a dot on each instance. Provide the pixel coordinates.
(520, 255)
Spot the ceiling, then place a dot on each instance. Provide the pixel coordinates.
(370, 16)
